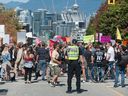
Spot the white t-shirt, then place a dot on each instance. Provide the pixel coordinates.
(55, 55)
(111, 54)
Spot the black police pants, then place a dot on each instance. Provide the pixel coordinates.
(74, 68)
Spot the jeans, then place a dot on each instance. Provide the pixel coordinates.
(88, 71)
(122, 72)
(42, 64)
(1, 72)
(97, 71)
(111, 68)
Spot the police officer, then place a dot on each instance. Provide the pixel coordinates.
(73, 55)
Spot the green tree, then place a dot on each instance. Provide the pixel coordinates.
(9, 19)
(109, 17)
(91, 29)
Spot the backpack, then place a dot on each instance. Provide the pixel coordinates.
(124, 60)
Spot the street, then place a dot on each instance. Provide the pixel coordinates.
(42, 88)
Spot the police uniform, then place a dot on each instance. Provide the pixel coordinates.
(73, 53)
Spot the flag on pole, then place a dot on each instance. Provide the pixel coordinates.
(118, 35)
(111, 2)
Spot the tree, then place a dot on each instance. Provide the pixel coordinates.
(91, 29)
(9, 19)
(109, 17)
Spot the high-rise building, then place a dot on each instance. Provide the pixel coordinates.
(25, 19)
(37, 22)
(73, 23)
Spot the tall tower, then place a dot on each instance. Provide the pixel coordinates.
(75, 1)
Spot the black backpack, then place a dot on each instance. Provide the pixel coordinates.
(124, 60)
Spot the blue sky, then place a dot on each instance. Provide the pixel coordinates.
(6, 1)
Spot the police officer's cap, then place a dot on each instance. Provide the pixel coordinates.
(74, 41)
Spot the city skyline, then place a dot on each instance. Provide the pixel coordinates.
(86, 6)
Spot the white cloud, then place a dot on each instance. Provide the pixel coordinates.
(6, 1)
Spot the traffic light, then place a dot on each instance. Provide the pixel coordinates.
(111, 2)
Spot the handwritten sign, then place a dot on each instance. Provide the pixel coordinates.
(105, 39)
(88, 39)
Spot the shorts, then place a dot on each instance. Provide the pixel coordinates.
(56, 70)
(85, 64)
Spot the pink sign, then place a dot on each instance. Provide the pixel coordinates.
(105, 39)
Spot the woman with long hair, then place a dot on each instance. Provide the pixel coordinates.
(6, 65)
(28, 63)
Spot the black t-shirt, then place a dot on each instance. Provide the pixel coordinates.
(87, 55)
(41, 52)
(98, 56)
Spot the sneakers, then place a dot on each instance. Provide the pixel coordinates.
(115, 85)
(68, 91)
(79, 91)
(83, 81)
(57, 83)
(35, 79)
(123, 86)
(27, 82)
(52, 84)
(48, 82)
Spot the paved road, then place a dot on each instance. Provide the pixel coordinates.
(42, 88)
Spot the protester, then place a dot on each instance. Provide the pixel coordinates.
(90, 60)
(98, 62)
(110, 58)
(28, 57)
(41, 60)
(6, 65)
(55, 64)
(19, 60)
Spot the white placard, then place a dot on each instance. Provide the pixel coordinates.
(100, 35)
(29, 34)
(21, 37)
(2, 30)
(6, 39)
(113, 42)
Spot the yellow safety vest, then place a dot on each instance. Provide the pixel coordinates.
(73, 52)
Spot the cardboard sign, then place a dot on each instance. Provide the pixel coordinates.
(6, 39)
(105, 39)
(2, 30)
(29, 34)
(21, 37)
(88, 39)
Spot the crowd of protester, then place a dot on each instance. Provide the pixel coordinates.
(26, 60)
